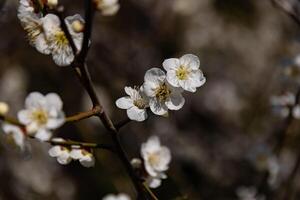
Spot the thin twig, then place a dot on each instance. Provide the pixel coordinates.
(83, 115)
(11, 120)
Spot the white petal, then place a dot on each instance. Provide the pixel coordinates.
(64, 158)
(63, 57)
(198, 78)
(172, 78)
(124, 103)
(87, 161)
(57, 122)
(54, 101)
(171, 64)
(24, 116)
(55, 151)
(137, 114)
(130, 91)
(77, 37)
(76, 154)
(51, 24)
(157, 107)
(35, 100)
(165, 159)
(43, 135)
(191, 61)
(42, 45)
(155, 75)
(153, 182)
(149, 168)
(175, 102)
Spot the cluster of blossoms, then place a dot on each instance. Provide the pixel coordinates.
(155, 162)
(163, 91)
(65, 155)
(45, 33)
(284, 104)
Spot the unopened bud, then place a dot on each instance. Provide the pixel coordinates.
(52, 3)
(77, 26)
(136, 163)
(4, 108)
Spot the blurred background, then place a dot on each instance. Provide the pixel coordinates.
(221, 141)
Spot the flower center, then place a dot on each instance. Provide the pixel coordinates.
(162, 92)
(140, 103)
(182, 73)
(154, 159)
(40, 116)
(61, 38)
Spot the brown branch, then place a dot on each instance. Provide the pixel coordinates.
(11, 120)
(83, 115)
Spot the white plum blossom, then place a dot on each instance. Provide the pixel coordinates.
(283, 104)
(156, 161)
(61, 153)
(184, 72)
(162, 96)
(108, 7)
(59, 45)
(116, 197)
(248, 193)
(15, 133)
(42, 114)
(85, 157)
(135, 104)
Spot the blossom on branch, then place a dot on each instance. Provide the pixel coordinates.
(156, 161)
(42, 114)
(135, 103)
(59, 45)
(116, 197)
(61, 153)
(184, 72)
(162, 96)
(85, 157)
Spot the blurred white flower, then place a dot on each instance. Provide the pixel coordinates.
(248, 193)
(61, 153)
(15, 134)
(156, 160)
(184, 72)
(282, 105)
(85, 157)
(116, 197)
(59, 45)
(162, 96)
(274, 170)
(4, 108)
(135, 104)
(107, 7)
(42, 114)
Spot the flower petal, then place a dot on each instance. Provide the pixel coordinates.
(124, 103)
(54, 101)
(43, 134)
(137, 114)
(171, 64)
(191, 61)
(24, 116)
(175, 102)
(35, 100)
(157, 107)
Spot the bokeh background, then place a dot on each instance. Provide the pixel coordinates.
(219, 140)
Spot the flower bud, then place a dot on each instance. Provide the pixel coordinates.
(52, 3)
(4, 108)
(77, 26)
